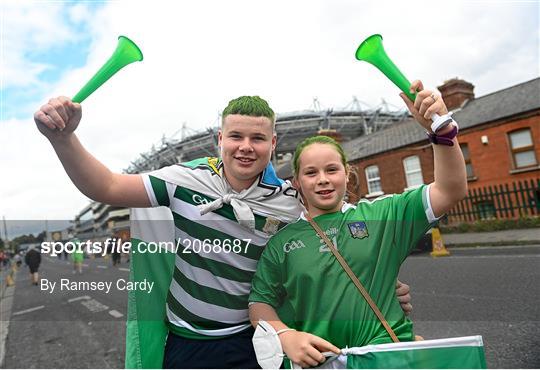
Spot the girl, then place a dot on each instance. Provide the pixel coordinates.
(301, 290)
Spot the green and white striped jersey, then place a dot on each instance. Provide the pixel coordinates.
(216, 257)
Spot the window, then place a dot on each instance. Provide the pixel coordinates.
(467, 157)
(522, 148)
(373, 180)
(413, 171)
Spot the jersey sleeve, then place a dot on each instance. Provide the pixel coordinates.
(267, 284)
(159, 191)
(414, 217)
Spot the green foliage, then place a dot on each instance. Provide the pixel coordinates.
(41, 236)
(493, 225)
(25, 239)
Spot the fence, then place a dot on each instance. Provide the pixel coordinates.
(503, 201)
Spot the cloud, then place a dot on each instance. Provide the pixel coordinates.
(30, 28)
(199, 55)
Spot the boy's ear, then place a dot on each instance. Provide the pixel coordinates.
(220, 137)
(220, 142)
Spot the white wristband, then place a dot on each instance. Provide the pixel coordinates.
(440, 122)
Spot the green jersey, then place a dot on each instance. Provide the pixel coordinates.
(300, 277)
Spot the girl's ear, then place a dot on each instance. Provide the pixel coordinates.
(296, 185)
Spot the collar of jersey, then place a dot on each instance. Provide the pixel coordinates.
(344, 208)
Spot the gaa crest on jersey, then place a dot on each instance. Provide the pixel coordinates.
(271, 226)
(358, 229)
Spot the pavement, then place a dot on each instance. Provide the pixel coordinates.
(504, 237)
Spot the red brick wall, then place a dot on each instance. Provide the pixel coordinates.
(391, 169)
(492, 163)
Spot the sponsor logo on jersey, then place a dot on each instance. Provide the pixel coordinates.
(332, 235)
(324, 248)
(358, 229)
(292, 245)
(197, 199)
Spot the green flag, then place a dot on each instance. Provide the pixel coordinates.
(146, 331)
(449, 353)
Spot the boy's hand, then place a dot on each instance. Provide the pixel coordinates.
(403, 293)
(58, 118)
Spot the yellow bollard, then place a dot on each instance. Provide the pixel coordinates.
(9, 278)
(438, 248)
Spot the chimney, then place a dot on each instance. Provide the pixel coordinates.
(456, 92)
(331, 133)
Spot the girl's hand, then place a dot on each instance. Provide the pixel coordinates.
(305, 349)
(427, 102)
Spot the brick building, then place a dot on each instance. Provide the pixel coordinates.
(500, 140)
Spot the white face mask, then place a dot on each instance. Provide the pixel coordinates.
(267, 346)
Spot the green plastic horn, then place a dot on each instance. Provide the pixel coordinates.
(371, 50)
(126, 52)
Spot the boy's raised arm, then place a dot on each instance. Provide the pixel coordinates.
(57, 121)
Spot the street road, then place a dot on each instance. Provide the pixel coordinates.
(491, 292)
(488, 291)
(68, 329)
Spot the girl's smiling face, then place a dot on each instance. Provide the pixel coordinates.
(322, 178)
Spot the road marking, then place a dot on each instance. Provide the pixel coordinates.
(123, 269)
(94, 306)
(28, 310)
(7, 304)
(85, 297)
(101, 267)
(115, 313)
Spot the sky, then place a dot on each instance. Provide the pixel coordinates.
(200, 54)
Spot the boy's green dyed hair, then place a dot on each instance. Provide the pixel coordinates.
(253, 106)
(316, 140)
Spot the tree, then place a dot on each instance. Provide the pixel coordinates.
(41, 236)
